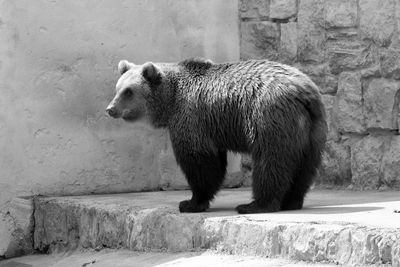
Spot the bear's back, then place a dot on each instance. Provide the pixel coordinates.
(228, 101)
(241, 72)
(241, 81)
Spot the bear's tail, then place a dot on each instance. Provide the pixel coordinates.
(318, 130)
(312, 154)
(311, 100)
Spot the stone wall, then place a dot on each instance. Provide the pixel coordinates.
(58, 68)
(351, 49)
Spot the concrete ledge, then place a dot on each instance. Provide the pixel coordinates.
(335, 226)
(124, 258)
(16, 227)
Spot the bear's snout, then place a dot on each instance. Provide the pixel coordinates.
(112, 111)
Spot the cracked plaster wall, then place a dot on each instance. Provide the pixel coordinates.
(57, 73)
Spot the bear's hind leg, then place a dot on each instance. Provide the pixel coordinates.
(302, 181)
(271, 181)
(294, 198)
(205, 174)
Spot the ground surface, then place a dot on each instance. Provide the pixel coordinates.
(369, 208)
(343, 227)
(124, 258)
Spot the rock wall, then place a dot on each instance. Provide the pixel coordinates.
(351, 49)
(58, 68)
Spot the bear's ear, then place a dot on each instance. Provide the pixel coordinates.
(151, 73)
(124, 66)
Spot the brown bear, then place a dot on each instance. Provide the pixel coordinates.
(269, 110)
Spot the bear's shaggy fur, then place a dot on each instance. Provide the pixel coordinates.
(269, 110)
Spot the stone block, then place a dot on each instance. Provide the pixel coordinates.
(254, 8)
(344, 56)
(16, 227)
(366, 161)
(391, 164)
(321, 76)
(350, 231)
(396, 37)
(329, 104)
(283, 9)
(342, 34)
(390, 63)
(311, 32)
(340, 13)
(395, 255)
(330, 84)
(288, 41)
(371, 72)
(381, 103)
(259, 40)
(377, 20)
(349, 107)
(336, 165)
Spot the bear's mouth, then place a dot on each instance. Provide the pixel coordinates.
(131, 115)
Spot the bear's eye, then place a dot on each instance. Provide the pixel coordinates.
(128, 93)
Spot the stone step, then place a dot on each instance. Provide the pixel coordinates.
(124, 258)
(342, 227)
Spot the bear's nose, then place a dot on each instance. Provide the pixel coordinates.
(111, 111)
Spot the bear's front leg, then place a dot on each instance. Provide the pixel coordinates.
(205, 173)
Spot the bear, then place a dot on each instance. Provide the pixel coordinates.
(266, 109)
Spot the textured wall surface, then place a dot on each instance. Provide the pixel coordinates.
(57, 73)
(351, 49)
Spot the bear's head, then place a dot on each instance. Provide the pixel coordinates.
(133, 90)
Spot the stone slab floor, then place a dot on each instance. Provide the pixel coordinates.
(125, 258)
(341, 227)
